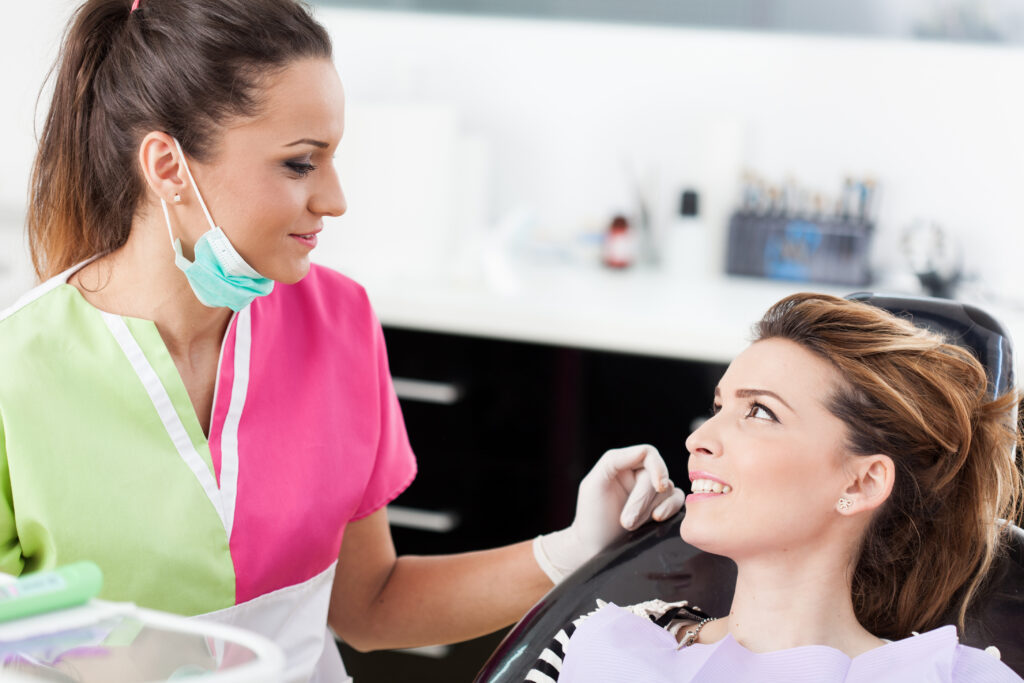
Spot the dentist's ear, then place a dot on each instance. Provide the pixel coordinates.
(160, 166)
(872, 480)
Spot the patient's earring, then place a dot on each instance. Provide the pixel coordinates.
(845, 504)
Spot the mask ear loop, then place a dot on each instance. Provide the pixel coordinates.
(199, 195)
(232, 261)
(167, 219)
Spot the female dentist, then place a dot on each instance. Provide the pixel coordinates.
(189, 403)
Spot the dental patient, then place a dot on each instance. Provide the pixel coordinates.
(856, 473)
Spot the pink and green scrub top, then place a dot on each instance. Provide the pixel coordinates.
(102, 456)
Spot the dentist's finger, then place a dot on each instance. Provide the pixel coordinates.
(669, 506)
(624, 459)
(655, 465)
(619, 461)
(643, 498)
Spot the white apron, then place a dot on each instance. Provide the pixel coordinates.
(296, 619)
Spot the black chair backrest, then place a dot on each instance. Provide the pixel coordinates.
(654, 562)
(963, 324)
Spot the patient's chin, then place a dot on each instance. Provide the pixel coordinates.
(699, 536)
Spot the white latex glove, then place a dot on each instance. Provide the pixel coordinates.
(624, 489)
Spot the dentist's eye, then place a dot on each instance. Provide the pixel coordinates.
(300, 168)
(761, 412)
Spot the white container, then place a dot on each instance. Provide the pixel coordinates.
(109, 642)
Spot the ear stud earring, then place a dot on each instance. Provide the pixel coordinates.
(845, 504)
(176, 198)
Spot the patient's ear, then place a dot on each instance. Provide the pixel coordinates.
(871, 481)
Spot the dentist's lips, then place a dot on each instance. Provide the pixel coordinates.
(307, 239)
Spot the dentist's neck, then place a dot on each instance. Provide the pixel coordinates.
(140, 280)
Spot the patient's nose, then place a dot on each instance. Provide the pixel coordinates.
(704, 439)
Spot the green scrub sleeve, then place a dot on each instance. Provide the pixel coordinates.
(10, 548)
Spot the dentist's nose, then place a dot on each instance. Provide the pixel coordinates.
(329, 200)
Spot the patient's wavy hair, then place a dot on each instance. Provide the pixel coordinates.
(909, 394)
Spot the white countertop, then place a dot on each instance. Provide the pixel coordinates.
(641, 310)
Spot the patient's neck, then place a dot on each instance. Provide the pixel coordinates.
(788, 599)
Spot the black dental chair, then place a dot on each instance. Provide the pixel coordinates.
(654, 562)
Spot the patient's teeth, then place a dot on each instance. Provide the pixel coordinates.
(709, 486)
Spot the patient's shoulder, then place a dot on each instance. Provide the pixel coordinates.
(972, 664)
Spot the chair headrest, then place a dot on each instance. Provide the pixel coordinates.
(963, 324)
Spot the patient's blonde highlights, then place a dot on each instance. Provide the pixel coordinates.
(909, 394)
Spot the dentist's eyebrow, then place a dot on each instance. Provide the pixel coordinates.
(754, 393)
(307, 141)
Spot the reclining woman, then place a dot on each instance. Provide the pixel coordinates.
(856, 472)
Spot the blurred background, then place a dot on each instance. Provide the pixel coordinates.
(568, 213)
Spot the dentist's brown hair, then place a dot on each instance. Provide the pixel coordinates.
(178, 66)
(909, 394)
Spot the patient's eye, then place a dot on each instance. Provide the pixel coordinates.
(761, 412)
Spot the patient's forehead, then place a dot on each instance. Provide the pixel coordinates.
(801, 377)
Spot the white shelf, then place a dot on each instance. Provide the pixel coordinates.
(640, 311)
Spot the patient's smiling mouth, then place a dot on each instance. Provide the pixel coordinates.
(704, 485)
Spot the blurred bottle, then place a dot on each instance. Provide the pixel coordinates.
(619, 244)
(687, 252)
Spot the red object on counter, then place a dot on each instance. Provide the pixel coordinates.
(618, 244)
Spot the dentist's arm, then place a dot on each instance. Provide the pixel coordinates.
(381, 601)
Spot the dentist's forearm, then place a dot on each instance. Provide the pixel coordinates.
(450, 598)
(380, 601)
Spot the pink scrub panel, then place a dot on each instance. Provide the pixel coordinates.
(321, 439)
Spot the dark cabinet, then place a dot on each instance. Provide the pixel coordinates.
(503, 431)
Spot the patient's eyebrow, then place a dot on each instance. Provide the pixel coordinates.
(308, 141)
(754, 393)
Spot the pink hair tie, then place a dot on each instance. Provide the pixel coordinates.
(135, 6)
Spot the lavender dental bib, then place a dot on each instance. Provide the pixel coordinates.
(616, 645)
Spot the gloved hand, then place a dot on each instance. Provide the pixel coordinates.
(624, 489)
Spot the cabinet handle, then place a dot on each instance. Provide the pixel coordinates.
(422, 520)
(443, 393)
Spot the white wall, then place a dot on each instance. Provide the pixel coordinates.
(29, 36)
(561, 104)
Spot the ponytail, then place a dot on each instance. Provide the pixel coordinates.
(66, 196)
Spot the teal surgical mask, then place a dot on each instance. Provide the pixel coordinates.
(219, 275)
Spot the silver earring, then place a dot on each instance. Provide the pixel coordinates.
(176, 198)
(845, 504)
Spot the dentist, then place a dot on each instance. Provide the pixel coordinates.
(186, 400)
